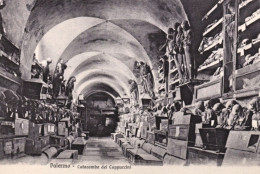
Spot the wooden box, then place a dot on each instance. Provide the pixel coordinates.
(240, 157)
(6, 129)
(50, 152)
(214, 138)
(45, 141)
(133, 154)
(197, 156)
(35, 130)
(160, 138)
(79, 144)
(147, 147)
(182, 132)
(148, 159)
(158, 152)
(58, 141)
(159, 120)
(68, 154)
(150, 137)
(177, 148)
(33, 147)
(51, 129)
(206, 91)
(144, 132)
(19, 145)
(21, 127)
(198, 140)
(6, 148)
(170, 160)
(45, 129)
(244, 141)
(180, 118)
(61, 128)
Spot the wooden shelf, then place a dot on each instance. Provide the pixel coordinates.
(173, 70)
(160, 80)
(2, 53)
(245, 3)
(213, 65)
(244, 26)
(212, 9)
(212, 46)
(242, 50)
(213, 27)
(174, 82)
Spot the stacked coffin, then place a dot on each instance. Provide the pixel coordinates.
(181, 135)
(210, 145)
(242, 148)
(38, 139)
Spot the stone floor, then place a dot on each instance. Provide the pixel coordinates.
(103, 151)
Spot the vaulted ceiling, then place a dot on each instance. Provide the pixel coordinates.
(100, 40)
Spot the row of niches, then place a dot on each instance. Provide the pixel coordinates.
(14, 106)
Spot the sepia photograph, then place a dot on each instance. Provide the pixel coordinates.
(128, 85)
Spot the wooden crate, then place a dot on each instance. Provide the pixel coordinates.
(33, 147)
(181, 119)
(214, 138)
(177, 148)
(160, 138)
(21, 127)
(241, 158)
(61, 128)
(170, 160)
(19, 145)
(45, 141)
(197, 156)
(6, 129)
(182, 132)
(150, 137)
(6, 148)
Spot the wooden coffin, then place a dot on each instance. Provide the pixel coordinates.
(240, 158)
(177, 148)
(58, 141)
(35, 130)
(160, 138)
(121, 141)
(148, 160)
(33, 147)
(61, 128)
(6, 148)
(45, 129)
(198, 156)
(144, 132)
(182, 132)
(119, 135)
(79, 144)
(244, 141)
(150, 137)
(51, 129)
(19, 145)
(21, 127)
(180, 118)
(206, 91)
(170, 160)
(6, 129)
(214, 138)
(45, 141)
(158, 152)
(68, 154)
(242, 148)
(133, 155)
(159, 120)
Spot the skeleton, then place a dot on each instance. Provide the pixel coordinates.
(134, 91)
